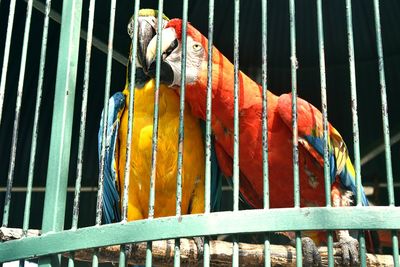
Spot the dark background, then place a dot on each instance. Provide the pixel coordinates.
(337, 66)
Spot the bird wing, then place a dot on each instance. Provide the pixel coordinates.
(310, 132)
(111, 201)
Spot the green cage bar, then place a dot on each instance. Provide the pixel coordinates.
(71, 261)
(20, 91)
(235, 174)
(7, 200)
(293, 61)
(131, 64)
(99, 204)
(34, 135)
(95, 259)
(264, 4)
(208, 139)
(6, 56)
(385, 124)
(315, 218)
(155, 128)
(349, 21)
(100, 190)
(177, 251)
(82, 127)
(327, 178)
(60, 142)
(35, 129)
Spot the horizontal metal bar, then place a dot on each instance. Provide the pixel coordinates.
(102, 46)
(89, 189)
(43, 189)
(379, 149)
(246, 221)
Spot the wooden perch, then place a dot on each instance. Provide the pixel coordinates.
(7, 234)
(220, 253)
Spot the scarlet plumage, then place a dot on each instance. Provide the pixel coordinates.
(250, 151)
(280, 135)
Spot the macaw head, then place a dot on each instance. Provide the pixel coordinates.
(147, 29)
(171, 50)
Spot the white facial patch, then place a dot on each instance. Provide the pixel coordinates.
(194, 58)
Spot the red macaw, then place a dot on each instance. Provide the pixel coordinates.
(279, 133)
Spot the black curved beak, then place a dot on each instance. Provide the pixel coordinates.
(146, 32)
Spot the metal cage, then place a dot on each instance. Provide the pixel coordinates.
(49, 164)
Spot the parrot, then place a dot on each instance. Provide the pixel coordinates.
(310, 134)
(193, 170)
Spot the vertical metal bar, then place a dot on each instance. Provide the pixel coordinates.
(207, 195)
(177, 252)
(385, 124)
(181, 125)
(75, 213)
(395, 242)
(235, 176)
(95, 259)
(356, 142)
(6, 54)
(71, 262)
(385, 119)
(155, 128)
(149, 252)
(327, 177)
(264, 32)
(60, 143)
(20, 89)
(236, 109)
(99, 204)
(155, 117)
(132, 63)
(122, 256)
(354, 100)
(181, 110)
(264, 103)
(125, 197)
(293, 60)
(36, 118)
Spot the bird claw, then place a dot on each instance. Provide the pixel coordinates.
(350, 253)
(200, 247)
(131, 248)
(311, 256)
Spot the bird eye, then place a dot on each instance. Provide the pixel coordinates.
(196, 47)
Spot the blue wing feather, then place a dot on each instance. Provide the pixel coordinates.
(346, 178)
(111, 207)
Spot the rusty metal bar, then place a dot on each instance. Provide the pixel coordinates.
(293, 61)
(385, 120)
(321, 48)
(20, 92)
(35, 130)
(82, 130)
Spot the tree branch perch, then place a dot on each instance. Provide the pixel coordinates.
(220, 253)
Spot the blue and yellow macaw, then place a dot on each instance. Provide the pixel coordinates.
(141, 146)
